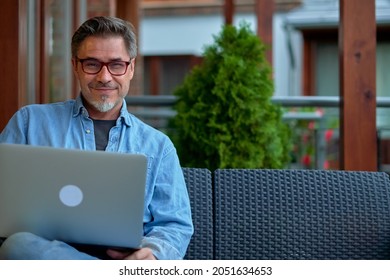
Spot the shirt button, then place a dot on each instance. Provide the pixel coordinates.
(88, 131)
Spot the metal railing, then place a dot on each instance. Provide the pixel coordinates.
(158, 109)
(285, 101)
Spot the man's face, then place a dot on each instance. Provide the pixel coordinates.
(103, 92)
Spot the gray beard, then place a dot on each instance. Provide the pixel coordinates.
(103, 106)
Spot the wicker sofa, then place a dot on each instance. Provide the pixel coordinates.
(289, 214)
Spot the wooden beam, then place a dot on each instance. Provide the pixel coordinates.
(357, 45)
(265, 12)
(155, 66)
(229, 11)
(79, 15)
(11, 93)
(43, 13)
(130, 11)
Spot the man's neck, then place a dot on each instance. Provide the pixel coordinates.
(112, 114)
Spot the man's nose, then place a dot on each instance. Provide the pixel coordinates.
(104, 75)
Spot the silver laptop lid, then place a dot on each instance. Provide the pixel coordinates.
(86, 197)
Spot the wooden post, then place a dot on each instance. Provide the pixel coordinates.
(129, 10)
(11, 94)
(264, 12)
(229, 11)
(357, 45)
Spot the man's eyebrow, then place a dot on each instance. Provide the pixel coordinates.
(111, 60)
(90, 57)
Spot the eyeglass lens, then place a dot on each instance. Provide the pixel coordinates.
(92, 66)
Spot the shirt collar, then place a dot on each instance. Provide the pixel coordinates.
(79, 109)
(124, 114)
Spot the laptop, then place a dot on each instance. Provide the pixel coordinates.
(76, 196)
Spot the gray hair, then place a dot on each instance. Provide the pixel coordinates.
(106, 26)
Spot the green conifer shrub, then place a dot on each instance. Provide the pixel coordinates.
(225, 117)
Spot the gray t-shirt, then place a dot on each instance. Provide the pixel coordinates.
(102, 130)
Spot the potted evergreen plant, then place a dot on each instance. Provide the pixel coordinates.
(225, 117)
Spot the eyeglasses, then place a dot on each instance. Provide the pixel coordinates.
(94, 66)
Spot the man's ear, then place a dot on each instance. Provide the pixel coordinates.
(132, 67)
(74, 66)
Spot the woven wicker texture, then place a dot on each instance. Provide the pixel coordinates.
(199, 187)
(301, 214)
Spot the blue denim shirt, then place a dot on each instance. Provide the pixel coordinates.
(167, 215)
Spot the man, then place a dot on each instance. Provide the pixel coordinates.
(103, 57)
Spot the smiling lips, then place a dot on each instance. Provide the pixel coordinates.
(98, 87)
(103, 89)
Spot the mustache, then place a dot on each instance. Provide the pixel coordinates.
(100, 85)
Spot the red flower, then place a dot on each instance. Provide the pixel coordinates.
(311, 125)
(328, 135)
(326, 164)
(306, 160)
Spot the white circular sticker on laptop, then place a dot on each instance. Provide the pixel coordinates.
(71, 195)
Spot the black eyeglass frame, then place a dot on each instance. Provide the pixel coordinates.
(102, 64)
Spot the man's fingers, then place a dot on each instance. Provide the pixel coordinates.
(117, 255)
(141, 254)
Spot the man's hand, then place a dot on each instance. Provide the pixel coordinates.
(141, 254)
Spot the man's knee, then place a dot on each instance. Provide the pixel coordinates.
(16, 244)
(23, 237)
(28, 246)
